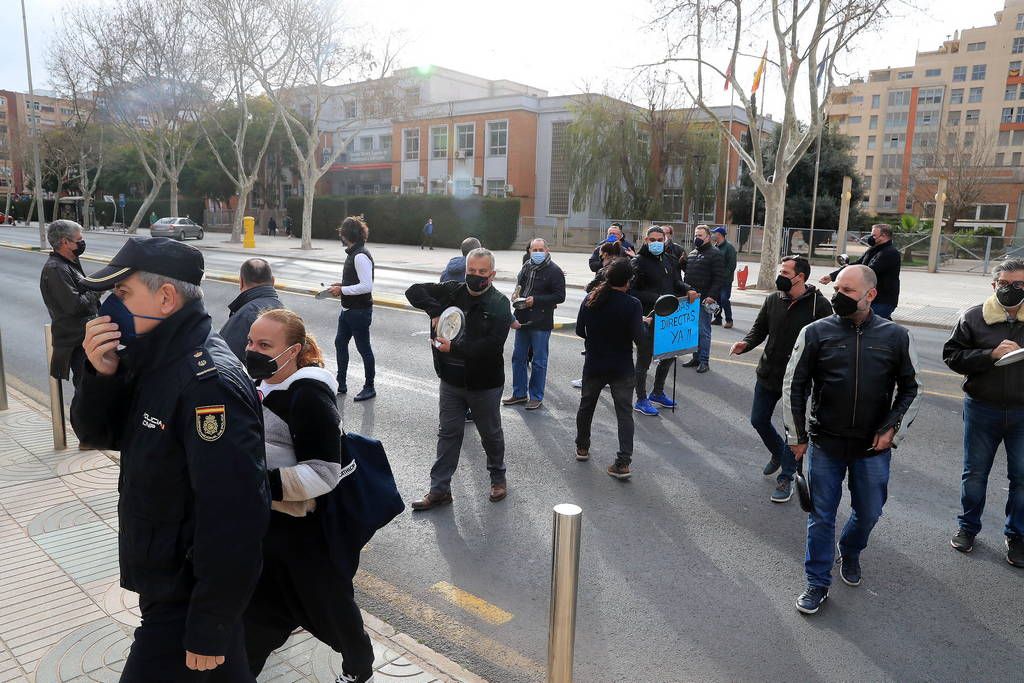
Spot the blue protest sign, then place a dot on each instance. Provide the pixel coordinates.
(676, 334)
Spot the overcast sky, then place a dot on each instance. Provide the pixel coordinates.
(556, 45)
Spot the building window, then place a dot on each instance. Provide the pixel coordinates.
(463, 187)
(927, 118)
(956, 96)
(1000, 159)
(1018, 46)
(558, 189)
(438, 143)
(1018, 138)
(1010, 93)
(1004, 136)
(895, 141)
(412, 96)
(350, 109)
(929, 96)
(975, 95)
(869, 162)
(853, 120)
(855, 140)
(892, 161)
(973, 116)
(412, 144)
(1015, 159)
(953, 118)
(495, 187)
(856, 99)
(867, 182)
(366, 143)
(899, 98)
(873, 123)
(1020, 22)
(1014, 70)
(896, 120)
(1019, 118)
(978, 72)
(410, 187)
(385, 143)
(975, 47)
(1007, 115)
(904, 75)
(464, 138)
(959, 73)
(497, 138)
(876, 101)
(968, 138)
(932, 73)
(871, 141)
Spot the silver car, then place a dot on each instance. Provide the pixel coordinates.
(178, 228)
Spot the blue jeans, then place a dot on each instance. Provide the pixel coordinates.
(883, 310)
(761, 412)
(527, 338)
(869, 487)
(703, 335)
(354, 323)
(985, 426)
(725, 301)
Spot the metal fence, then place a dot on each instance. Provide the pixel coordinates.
(966, 253)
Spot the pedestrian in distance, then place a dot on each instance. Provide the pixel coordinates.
(885, 259)
(858, 373)
(427, 239)
(272, 227)
(455, 271)
(609, 322)
(613, 235)
(471, 370)
(655, 274)
(152, 218)
(300, 585)
(356, 292)
(256, 294)
(705, 273)
(783, 314)
(69, 304)
(993, 405)
(541, 287)
(718, 236)
(163, 388)
(288, 226)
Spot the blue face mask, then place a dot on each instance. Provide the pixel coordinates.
(538, 257)
(656, 248)
(122, 317)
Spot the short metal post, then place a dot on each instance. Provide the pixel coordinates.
(3, 376)
(565, 569)
(60, 438)
(988, 254)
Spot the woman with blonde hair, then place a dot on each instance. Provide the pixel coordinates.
(300, 585)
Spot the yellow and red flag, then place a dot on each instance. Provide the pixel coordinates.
(760, 71)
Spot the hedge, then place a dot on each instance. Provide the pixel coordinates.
(187, 206)
(399, 219)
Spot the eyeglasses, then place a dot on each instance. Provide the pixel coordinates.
(1017, 284)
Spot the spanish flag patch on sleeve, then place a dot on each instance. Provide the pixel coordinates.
(211, 421)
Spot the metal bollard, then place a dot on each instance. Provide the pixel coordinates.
(60, 437)
(565, 570)
(3, 376)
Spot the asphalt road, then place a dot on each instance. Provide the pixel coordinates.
(688, 572)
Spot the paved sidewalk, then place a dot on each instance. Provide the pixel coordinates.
(65, 618)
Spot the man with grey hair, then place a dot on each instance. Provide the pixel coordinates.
(67, 302)
(163, 388)
(884, 259)
(857, 372)
(468, 359)
(993, 405)
(256, 294)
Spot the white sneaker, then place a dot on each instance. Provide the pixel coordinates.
(345, 678)
(577, 383)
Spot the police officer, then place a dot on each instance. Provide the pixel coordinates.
(165, 390)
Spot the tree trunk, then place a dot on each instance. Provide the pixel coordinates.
(173, 181)
(7, 203)
(244, 191)
(146, 203)
(774, 207)
(307, 214)
(86, 193)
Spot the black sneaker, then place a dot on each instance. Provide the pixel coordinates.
(783, 491)
(771, 468)
(692, 363)
(366, 394)
(963, 541)
(849, 570)
(1015, 550)
(810, 600)
(703, 367)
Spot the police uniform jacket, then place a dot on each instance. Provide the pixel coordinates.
(194, 498)
(69, 306)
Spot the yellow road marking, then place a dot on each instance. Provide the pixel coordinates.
(471, 603)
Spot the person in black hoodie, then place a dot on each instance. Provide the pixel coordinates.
(256, 282)
(300, 586)
(705, 273)
(356, 292)
(795, 305)
(885, 259)
(655, 273)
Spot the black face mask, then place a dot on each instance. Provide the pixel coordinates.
(871, 241)
(261, 366)
(783, 283)
(1009, 297)
(698, 242)
(843, 305)
(477, 283)
(79, 247)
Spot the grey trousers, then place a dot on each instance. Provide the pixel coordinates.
(452, 405)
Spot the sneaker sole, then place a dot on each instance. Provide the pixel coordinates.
(637, 410)
(620, 477)
(804, 610)
(848, 582)
(966, 550)
(515, 402)
(662, 405)
(1010, 562)
(582, 458)
(782, 500)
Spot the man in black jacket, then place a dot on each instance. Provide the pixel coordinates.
(256, 282)
(795, 305)
(993, 405)
(541, 287)
(165, 390)
(884, 258)
(858, 372)
(655, 274)
(70, 306)
(471, 369)
(705, 273)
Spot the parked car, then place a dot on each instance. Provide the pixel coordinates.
(178, 228)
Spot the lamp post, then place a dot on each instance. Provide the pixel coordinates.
(34, 132)
(940, 206)
(844, 214)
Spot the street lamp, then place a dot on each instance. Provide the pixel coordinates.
(34, 132)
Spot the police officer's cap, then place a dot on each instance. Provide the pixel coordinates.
(158, 255)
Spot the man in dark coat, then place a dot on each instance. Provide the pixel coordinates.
(256, 282)
(614, 235)
(705, 272)
(718, 236)
(70, 305)
(884, 258)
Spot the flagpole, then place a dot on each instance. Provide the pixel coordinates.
(728, 159)
(817, 168)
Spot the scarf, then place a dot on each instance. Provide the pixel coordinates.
(529, 274)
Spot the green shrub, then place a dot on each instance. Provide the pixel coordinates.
(399, 219)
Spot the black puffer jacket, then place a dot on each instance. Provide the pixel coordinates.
(850, 373)
(969, 352)
(246, 307)
(885, 260)
(654, 276)
(705, 270)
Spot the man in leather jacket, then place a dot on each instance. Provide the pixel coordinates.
(884, 258)
(859, 372)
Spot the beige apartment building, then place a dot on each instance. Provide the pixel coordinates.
(907, 121)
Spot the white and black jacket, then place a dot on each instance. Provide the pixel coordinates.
(303, 437)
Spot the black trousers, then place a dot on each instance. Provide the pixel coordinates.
(644, 354)
(158, 655)
(622, 389)
(300, 586)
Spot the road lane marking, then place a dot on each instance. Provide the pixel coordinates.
(478, 607)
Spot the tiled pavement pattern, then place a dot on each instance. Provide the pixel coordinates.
(63, 616)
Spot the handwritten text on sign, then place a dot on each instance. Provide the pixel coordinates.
(676, 334)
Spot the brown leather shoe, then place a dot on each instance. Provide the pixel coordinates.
(431, 500)
(727, 325)
(498, 492)
(582, 454)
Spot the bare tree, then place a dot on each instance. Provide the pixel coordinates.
(962, 155)
(805, 35)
